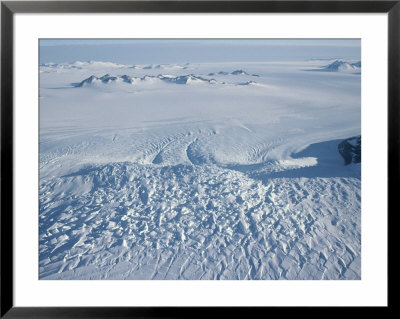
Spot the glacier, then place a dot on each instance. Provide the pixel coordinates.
(200, 171)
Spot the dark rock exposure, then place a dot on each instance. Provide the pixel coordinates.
(350, 149)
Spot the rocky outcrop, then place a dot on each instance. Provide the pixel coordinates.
(350, 149)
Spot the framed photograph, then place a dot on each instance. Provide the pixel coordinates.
(162, 155)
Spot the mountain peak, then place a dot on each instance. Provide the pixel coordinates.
(343, 66)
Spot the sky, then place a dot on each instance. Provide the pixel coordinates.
(137, 51)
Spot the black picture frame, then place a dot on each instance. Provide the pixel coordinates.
(9, 8)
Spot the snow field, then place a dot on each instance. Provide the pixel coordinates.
(198, 171)
(197, 222)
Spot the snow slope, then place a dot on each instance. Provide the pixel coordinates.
(184, 171)
(341, 66)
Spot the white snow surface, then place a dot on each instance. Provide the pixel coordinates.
(198, 171)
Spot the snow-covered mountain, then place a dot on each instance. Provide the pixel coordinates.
(343, 66)
(182, 79)
(239, 72)
(236, 72)
(247, 83)
(186, 79)
(160, 66)
(151, 79)
(95, 65)
(82, 65)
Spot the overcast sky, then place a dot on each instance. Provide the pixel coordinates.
(191, 50)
